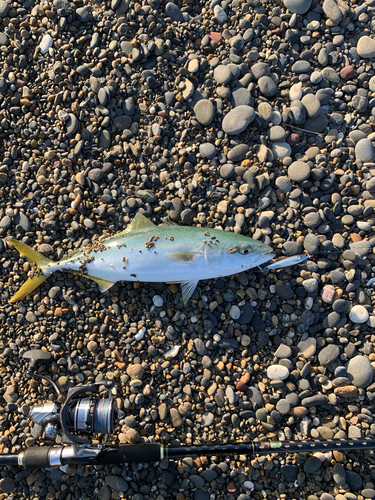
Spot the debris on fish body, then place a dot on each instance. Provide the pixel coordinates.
(145, 252)
(288, 261)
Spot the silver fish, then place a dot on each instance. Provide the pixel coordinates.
(289, 261)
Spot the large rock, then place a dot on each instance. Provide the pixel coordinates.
(238, 119)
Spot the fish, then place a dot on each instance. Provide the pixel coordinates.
(288, 261)
(144, 252)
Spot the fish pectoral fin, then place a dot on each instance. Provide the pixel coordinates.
(184, 256)
(138, 223)
(188, 288)
(104, 285)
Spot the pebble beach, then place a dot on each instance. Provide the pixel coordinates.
(247, 116)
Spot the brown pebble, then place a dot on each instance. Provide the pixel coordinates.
(348, 392)
(231, 487)
(245, 378)
(241, 386)
(347, 73)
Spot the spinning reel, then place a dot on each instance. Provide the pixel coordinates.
(83, 411)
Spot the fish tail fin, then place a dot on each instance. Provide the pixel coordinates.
(36, 258)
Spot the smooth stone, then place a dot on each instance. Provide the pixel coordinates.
(277, 372)
(207, 150)
(358, 314)
(83, 14)
(267, 86)
(298, 6)
(219, 13)
(366, 47)
(281, 150)
(312, 465)
(299, 171)
(330, 75)
(328, 354)
(207, 419)
(4, 7)
(222, 74)
(227, 170)
(277, 133)
(260, 69)
(311, 243)
(332, 11)
(307, 347)
(238, 153)
(284, 184)
(328, 294)
(204, 111)
(238, 119)
(312, 105)
(364, 151)
(46, 43)
(283, 351)
(241, 97)
(310, 285)
(174, 12)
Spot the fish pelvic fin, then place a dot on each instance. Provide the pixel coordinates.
(34, 257)
(187, 288)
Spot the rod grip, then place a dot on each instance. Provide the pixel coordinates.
(36, 457)
(129, 453)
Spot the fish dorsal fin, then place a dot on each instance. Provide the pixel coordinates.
(184, 256)
(168, 222)
(188, 288)
(139, 223)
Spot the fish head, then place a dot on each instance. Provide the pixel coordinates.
(238, 252)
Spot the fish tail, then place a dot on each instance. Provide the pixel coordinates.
(36, 258)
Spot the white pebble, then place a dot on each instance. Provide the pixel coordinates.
(152, 110)
(245, 340)
(46, 43)
(309, 303)
(277, 372)
(219, 14)
(295, 92)
(25, 166)
(217, 337)
(140, 334)
(157, 300)
(172, 352)
(234, 312)
(371, 282)
(364, 226)
(249, 485)
(359, 314)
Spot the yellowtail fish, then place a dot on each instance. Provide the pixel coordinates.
(149, 253)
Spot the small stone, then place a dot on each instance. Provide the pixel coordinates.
(135, 372)
(238, 119)
(283, 351)
(299, 171)
(358, 314)
(328, 354)
(307, 347)
(46, 43)
(347, 72)
(174, 12)
(277, 372)
(267, 86)
(310, 285)
(157, 300)
(364, 151)
(328, 294)
(219, 13)
(204, 111)
(312, 105)
(234, 312)
(298, 6)
(360, 371)
(312, 465)
(366, 47)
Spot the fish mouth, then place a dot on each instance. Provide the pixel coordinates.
(262, 258)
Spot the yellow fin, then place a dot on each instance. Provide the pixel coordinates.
(28, 287)
(30, 254)
(139, 223)
(104, 285)
(184, 256)
(33, 256)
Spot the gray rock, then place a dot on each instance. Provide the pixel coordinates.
(284, 291)
(277, 133)
(176, 208)
(174, 12)
(260, 69)
(83, 14)
(241, 97)
(298, 6)
(204, 111)
(117, 483)
(311, 243)
(238, 153)
(312, 465)
(329, 354)
(267, 86)
(284, 184)
(299, 171)
(332, 11)
(222, 74)
(3, 85)
(312, 105)
(227, 170)
(122, 122)
(360, 371)
(364, 151)
(4, 7)
(366, 47)
(207, 150)
(238, 119)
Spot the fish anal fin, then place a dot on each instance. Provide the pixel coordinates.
(139, 223)
(168, 222)
(30, 285)
(184, 256)
(104, 285)
(188, 288)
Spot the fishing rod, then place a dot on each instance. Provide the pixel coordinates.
(85, 412)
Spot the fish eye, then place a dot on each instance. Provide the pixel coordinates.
(245, 250)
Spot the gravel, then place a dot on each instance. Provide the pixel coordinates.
(249, 117)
